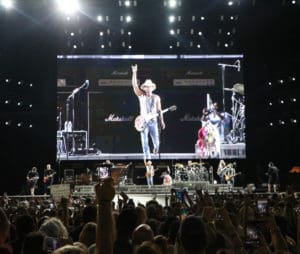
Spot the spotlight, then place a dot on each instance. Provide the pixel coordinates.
(270, 103)
(199, 33)
(172, 4)
(128, 19)
(172, 18)
(230, 3)
(19, 104)
(68, 6)
(19, 83)
(7, 123)
(281, 101)
(170, 47)
(202, 18)
(271, 124)
(228, 33)
(30, 105)
(127, 3)
(30, 126)
(294, 2)
(269, 83)
(280, 81)
(293, 120)
(293, 79)
(7, 4)
(172, 32)
(72, 34)
(198, 46)
(102, 46)
(293, 99)
(101, 33)
(19, 124)
(226, 45)
(7, 80)
(74, 46)
(6, 102)
(129, 47)
(30, 85)
(99, 18)
(129, 33)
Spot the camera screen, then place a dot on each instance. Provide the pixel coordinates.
(262, 206)
(51, 244)
(179, 195)
(252, 233)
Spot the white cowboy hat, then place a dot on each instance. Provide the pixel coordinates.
(148, 83)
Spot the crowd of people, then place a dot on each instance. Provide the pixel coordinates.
(187, 223)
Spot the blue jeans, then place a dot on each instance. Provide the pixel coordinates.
(151, 129)
(149, 181)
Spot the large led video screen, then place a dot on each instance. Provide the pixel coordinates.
(199, 99)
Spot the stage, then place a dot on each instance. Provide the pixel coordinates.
(228, 151)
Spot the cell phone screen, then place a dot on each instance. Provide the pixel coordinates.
(252, 233)
(50, 244)
(262, 206)
(179, 195)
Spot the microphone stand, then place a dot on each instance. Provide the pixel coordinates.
(223, 66)
(69, 99)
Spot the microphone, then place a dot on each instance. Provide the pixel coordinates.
(87, 83)
(238, 65)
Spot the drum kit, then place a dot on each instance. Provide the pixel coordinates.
(192, 172)
(237, 133)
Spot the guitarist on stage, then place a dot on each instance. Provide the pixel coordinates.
(149, 103)
(48, 178)
(32, 179)
(149, 173)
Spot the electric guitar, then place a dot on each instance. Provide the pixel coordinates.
(228, 177)
(221, 170)
(46, 178)
(33, 179)
(141, 122)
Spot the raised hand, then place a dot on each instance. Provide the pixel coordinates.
(105, 191)
(134, 68)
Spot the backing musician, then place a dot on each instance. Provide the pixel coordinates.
(32, 179)
(221, 171)
(48, 178)
(273, 177)
(149, 173)
(230, 175)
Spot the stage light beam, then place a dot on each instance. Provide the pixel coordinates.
(68, 6)
(7, 4)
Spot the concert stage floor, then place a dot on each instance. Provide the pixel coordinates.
(228, 151)
(141, 193)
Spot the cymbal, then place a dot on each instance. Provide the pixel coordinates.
(239, 88)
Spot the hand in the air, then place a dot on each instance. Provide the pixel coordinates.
(105, 191)
(134, 68)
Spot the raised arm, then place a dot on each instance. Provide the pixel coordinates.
(135, 86)
(105, 236)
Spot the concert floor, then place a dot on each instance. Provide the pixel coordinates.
(228, 151)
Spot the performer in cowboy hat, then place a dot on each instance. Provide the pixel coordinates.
(149, 104)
